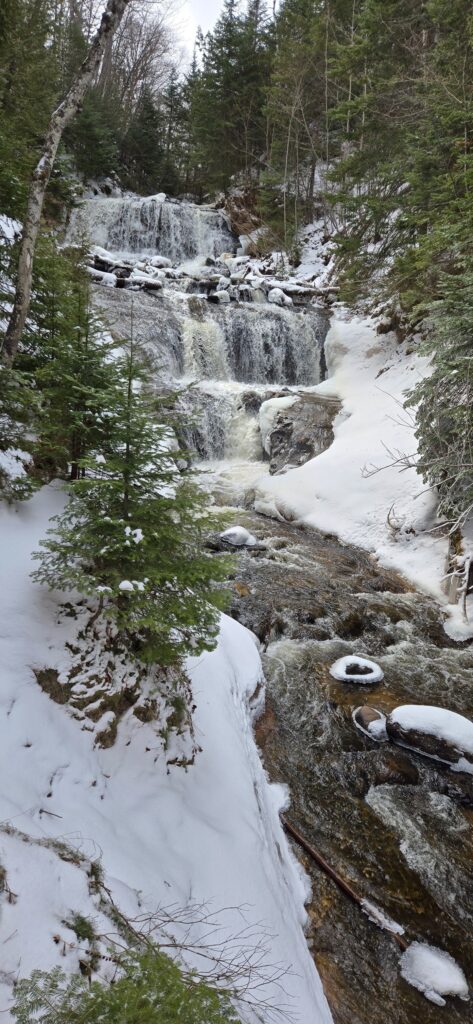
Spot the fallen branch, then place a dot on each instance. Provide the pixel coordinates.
(342, 884)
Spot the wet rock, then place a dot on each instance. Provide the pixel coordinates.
(435, 732)
(302, 431)
(371, 722)
(219, 297)
(396, 769)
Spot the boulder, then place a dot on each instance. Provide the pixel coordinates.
(238, 537)
(300, 430)
(435, 732)
(219, 297)
(278, 298)
(353, 669)
(370, 722)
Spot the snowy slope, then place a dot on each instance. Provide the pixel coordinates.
(163, 835)
(337, 491)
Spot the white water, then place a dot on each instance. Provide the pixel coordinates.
(179, 231)
(230, 353)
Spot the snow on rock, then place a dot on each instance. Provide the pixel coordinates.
(434, 731)
(267, 416)
(433, 972)
(340, 490)
(371, 722)
(278, 298)
(163, 835)
(353, 669)
(220, 297)
(377, 916)
(239, 537)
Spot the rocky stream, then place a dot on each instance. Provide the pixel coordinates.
(395, 825)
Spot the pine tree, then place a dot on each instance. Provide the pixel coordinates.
(151, 989)
(132, 534)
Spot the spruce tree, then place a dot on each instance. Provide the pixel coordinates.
(132, 533)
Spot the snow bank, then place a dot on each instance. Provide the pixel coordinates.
(433, 972)
(370, 373)
(164, 835)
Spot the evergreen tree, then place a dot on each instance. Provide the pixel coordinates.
(142, 149)
(133, 533)
(151, 989)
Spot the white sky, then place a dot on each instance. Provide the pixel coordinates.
(193, 13)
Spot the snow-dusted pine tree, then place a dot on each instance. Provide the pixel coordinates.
(132, 533)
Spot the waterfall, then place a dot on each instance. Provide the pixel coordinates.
(234, 355)
(179, 231)
(249, 343)
(215, 422)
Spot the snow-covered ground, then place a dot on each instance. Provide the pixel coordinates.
(163, 835)
(353, 489)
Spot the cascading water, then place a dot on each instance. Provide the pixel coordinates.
(220, 349)
(179, 231)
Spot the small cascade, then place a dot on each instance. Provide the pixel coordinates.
(204, 349)
(179, 231)
(216, 423)
(266, 345)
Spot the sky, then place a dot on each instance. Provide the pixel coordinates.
(193, 13)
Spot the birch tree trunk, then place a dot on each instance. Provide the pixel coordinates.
(60, 118)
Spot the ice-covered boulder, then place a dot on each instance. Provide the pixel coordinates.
(239, 537)
(278, 298)
(433, 972)
(353, 669)
(220, 297)
(297, 428)
(433, 731)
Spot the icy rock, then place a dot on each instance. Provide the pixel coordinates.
(220, 297)
(433, 972)
(433, 731)
(353, 669)
(278, 298)
(239, 537)
(371, 722)
(300, 432)
(160, 261)
(268, 413)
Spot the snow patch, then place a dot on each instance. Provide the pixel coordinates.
(433, 972)
(238, 536)
(445, 725)
(353, 669)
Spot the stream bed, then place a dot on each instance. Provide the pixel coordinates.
(397, 826)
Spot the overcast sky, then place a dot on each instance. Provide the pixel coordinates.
(193, 13)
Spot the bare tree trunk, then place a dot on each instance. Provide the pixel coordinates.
(59, 120)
